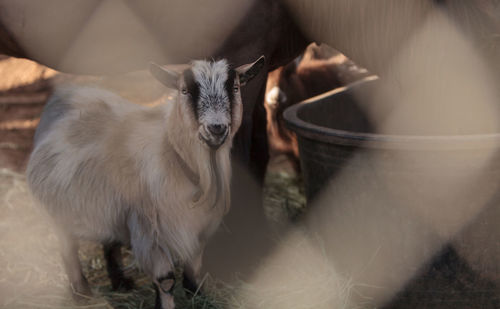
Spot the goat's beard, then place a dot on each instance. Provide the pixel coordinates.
(214, 179)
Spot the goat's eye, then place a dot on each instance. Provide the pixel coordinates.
(236, 89)
(184, 91)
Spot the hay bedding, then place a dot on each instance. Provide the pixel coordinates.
(284, 196)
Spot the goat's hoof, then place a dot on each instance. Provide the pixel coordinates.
(124, 284)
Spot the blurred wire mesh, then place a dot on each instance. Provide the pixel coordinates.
(371, 232)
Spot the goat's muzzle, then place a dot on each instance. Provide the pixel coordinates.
(215, 135)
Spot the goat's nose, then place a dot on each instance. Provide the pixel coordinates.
(217, 129)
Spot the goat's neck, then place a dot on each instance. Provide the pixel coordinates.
(183, 143)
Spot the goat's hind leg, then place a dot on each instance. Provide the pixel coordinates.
(69, 252)
(113, 256)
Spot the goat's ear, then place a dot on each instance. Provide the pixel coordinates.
(165, 76)
(248, 71)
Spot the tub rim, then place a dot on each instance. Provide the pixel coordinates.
(384, 141)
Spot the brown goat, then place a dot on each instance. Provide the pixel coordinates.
(320, 69)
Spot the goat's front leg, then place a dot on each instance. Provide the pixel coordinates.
(156, 263)
(164, 287)
(154, 260)
(191, 277)
(162, 272)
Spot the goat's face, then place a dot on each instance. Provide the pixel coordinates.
(209, 96)
(212, 91)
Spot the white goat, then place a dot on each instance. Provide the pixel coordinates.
(156, 179)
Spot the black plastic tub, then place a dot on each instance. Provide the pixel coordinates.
(434, 186)
(331, 128)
